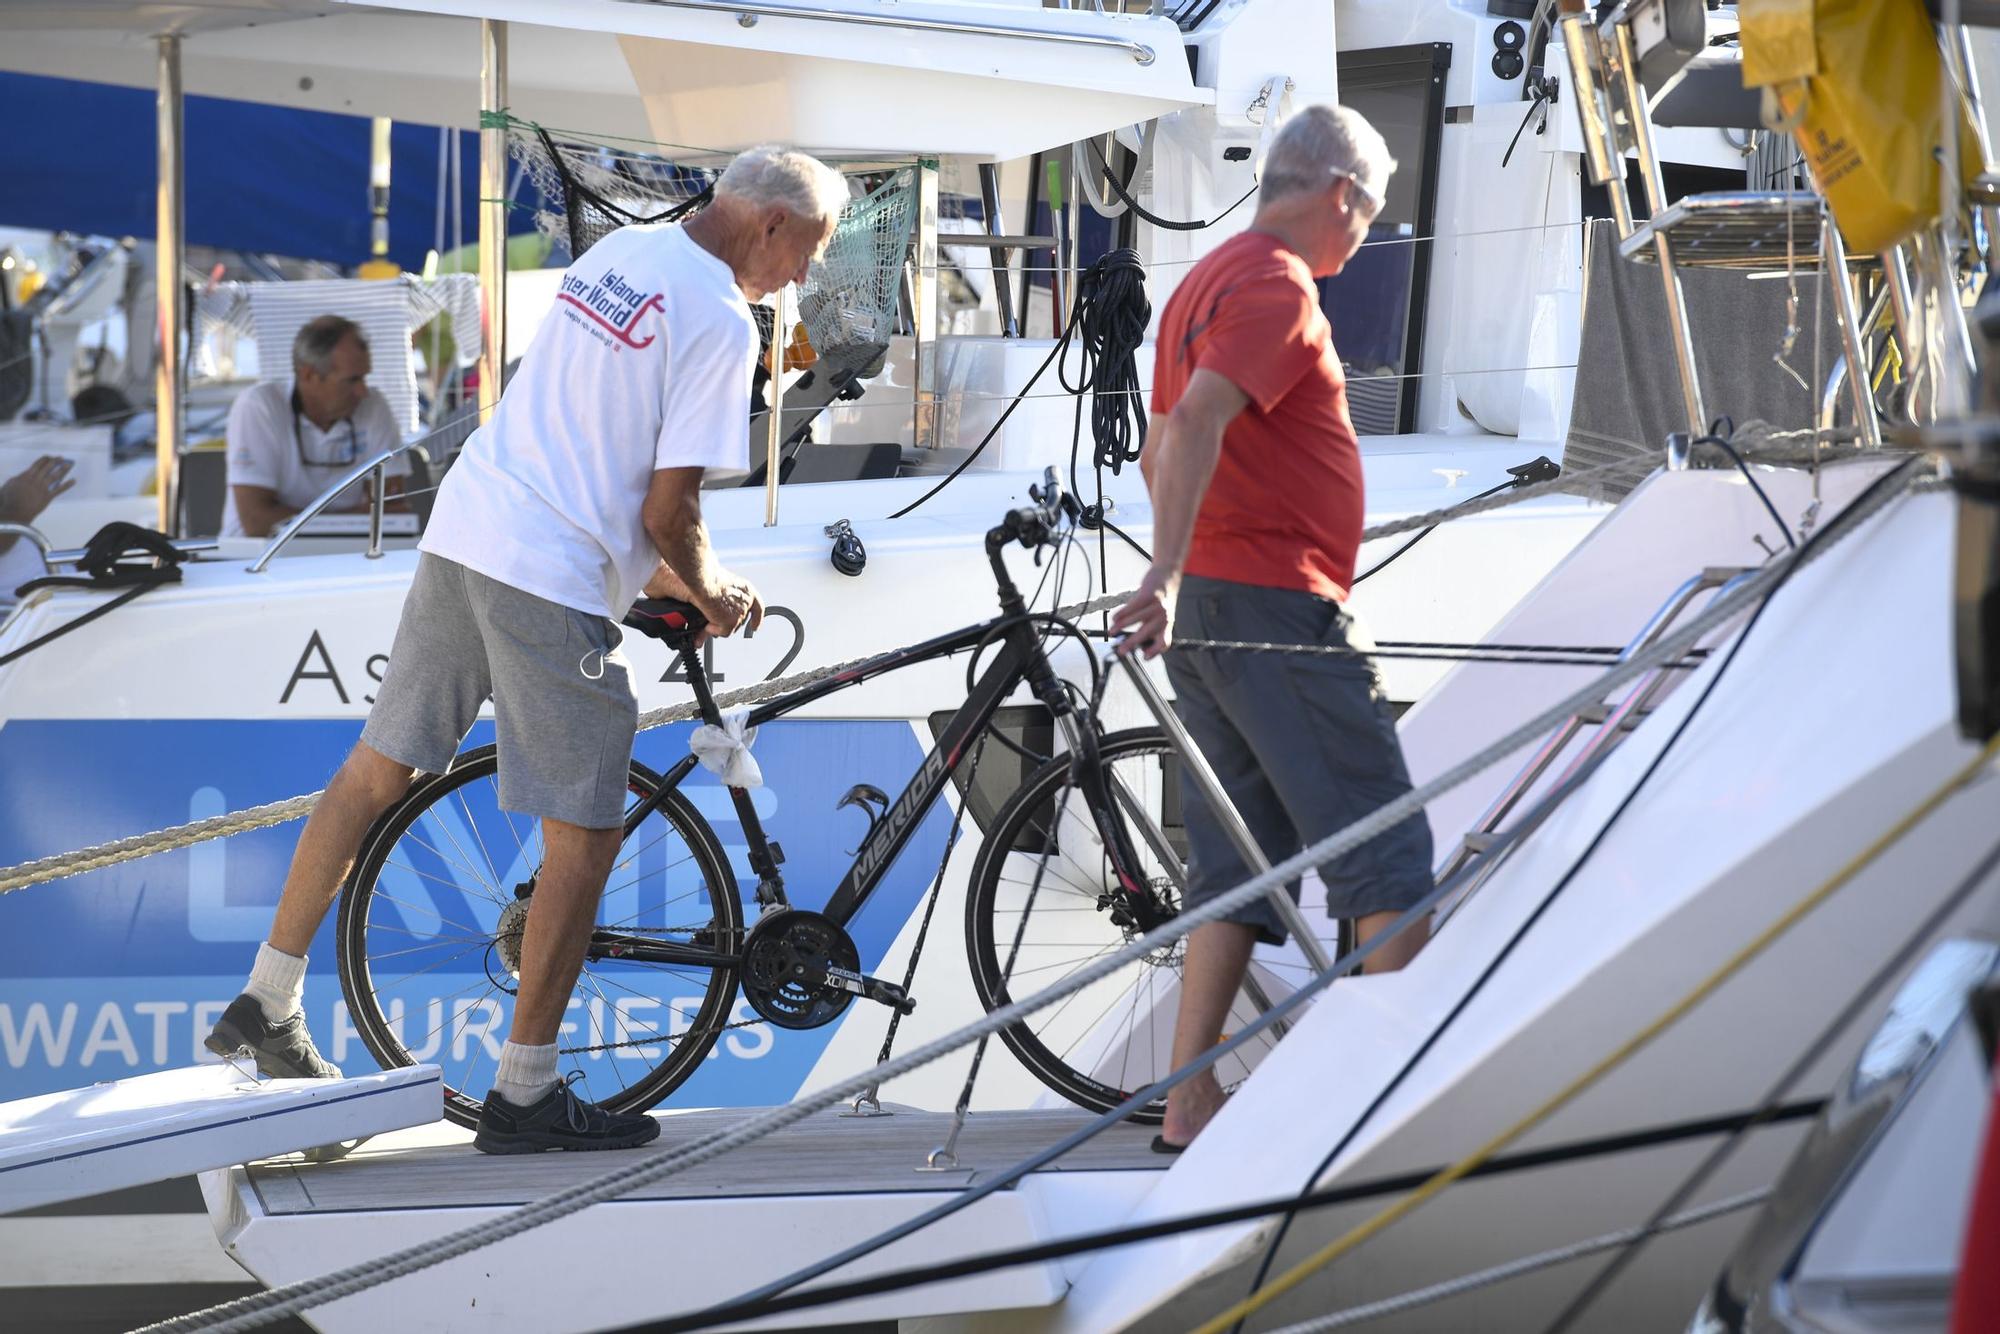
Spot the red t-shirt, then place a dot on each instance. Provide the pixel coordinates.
(1284, 509)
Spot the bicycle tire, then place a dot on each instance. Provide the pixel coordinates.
(1047, 1042)
(626, 1076)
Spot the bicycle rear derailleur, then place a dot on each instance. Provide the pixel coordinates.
(801, 970)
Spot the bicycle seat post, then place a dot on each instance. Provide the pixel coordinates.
(697, 679)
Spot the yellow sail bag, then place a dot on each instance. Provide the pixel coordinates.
(1857, 83)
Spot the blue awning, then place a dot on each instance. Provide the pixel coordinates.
(81, 157)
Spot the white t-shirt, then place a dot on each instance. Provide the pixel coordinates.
(271, 446)
(644, 362)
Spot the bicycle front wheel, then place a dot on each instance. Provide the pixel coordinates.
(1044, 895)
(430, 930)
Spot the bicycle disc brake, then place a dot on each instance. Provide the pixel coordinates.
(786, 962)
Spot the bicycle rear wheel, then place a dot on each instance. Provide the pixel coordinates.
(1043, 876)
(430, 928)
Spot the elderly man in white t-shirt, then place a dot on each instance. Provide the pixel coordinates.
(288, 442)
(582, 491)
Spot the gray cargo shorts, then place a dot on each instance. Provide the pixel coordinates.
(563, 706)
(1304, 745)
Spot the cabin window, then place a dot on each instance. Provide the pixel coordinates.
(1376, 304)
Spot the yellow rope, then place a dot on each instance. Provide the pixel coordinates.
(1410, 1203)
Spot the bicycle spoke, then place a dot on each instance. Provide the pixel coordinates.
(486, 890)
(418, 909)
(478, 837)
(375, 958)
(421, 971)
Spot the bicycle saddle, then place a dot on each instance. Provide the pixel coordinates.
(665, 618)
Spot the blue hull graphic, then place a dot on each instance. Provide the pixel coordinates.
(122, 971)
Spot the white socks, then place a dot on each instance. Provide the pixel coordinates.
(277, 982)
(526, 1073)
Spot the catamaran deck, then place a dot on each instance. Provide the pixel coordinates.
(826, 1154)
(765, 1210)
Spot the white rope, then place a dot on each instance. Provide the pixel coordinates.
(61, 865)
(266, 1307)
(1486, 1278)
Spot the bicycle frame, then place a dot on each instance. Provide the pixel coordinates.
(1020, 658)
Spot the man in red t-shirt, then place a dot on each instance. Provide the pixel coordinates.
(1257, 508)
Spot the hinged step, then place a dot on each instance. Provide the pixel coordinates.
(1734, 230)
(129, 1132)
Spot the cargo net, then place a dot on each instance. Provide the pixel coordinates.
(851, 300)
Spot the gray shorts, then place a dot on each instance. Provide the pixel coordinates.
(1304, 746)
(563, 706)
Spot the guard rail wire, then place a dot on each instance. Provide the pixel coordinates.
(765, 1299)
(57, 866)
(267, 1307)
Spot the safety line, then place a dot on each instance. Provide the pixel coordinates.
(1702, 990)
(60, 865)
(1801, 1064)
(263, 1308)
(1501, 1273)
(916, 1276)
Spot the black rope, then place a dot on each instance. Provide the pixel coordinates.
(1540, 470)
(1464, 653)
(1168, 224)
(918, 1276)
(577, 195)
(102, 609)
(987, 439)
(1112, 313)
(104, 566)
(1110, 321)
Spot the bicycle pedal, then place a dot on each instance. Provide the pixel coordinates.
(871, 988)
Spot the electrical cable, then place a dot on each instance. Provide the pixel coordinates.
(1715, 437)
(1167, 224)
(1576, 867)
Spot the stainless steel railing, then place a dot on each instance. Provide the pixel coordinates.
(373, 466)
(748, 14)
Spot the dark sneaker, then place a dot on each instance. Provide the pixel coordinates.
(284, 1050)
(559, 1120)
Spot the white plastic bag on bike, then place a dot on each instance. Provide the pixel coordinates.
(725, 751)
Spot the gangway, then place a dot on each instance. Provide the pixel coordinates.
(768, 1206)
(132, 1132)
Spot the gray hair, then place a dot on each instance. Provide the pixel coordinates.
(316, 341)
(1323, 141)
(770, 176)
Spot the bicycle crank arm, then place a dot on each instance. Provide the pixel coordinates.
(869, 988)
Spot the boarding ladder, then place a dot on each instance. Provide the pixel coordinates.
(1647, 65)
(1612, 720)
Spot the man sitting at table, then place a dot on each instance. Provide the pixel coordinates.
(288, 442)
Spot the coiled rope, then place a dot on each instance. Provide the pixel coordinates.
(1111, 317)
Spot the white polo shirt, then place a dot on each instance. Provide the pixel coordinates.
(644, 362)
(271, 446)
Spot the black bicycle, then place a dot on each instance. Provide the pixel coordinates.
(1085, 856)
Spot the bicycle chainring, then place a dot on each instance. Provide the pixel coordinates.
(783, 951)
